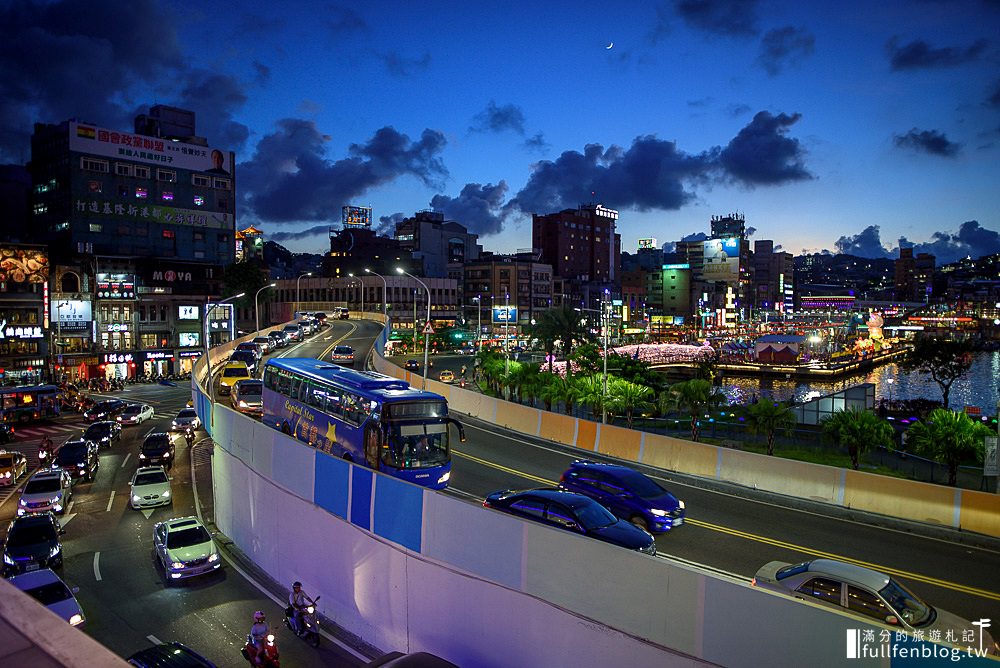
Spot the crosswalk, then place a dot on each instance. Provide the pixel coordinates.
(51, 430)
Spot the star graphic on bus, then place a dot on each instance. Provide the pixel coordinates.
(331, 432)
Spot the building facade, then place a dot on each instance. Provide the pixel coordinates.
(435, 244)
(503, 294)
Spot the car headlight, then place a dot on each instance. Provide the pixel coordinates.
(310, 610)
(142, 456)
(214, 556)
(76, 619)
(136, 498)
(166, 455)
(81, 466)
(7, 560)
(658, 512)
(55, 551)
(166, 494)
(243, 404)
(176, 565)
(57, 507)
(173, 423)
(23, 502)
(444, 478)
(6, 474)
(680, 504)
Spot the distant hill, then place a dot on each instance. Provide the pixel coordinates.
(284, 264)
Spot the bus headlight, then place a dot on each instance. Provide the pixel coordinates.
(444, 478)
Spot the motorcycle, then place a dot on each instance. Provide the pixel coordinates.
(189, 435)
(310, 624)
(269, 652)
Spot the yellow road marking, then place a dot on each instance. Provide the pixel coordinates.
(982, 593)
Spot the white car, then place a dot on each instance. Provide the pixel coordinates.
(49, 590)
(150, 487)
(187, 417)
(50, 489)
(136, 414)
(184, 548)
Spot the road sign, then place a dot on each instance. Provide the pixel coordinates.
(428, 329)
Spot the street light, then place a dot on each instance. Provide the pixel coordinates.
(308, 273)
(256, 307)
(362, 293)
(479, 320)
(606, 318)
(506, 334)
(208, 363)
(890, 381)
(399, 270)
(59, 329)
(385, 290)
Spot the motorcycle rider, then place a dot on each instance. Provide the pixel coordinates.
(45, 451)
(189, 434)
(259, 631)
(298, 601)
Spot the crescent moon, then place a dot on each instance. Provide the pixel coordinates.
(610, 45)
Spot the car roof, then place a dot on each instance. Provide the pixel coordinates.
(571, 499)
(150, 469)
(169, 655)
(866, 577)
(607, 467)
(32, 579)
(45, 475)
(181, 523)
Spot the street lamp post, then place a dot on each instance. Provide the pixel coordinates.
(208, 362)
(256, 307)
(385, 290)
(506, 334)
(606, 321)
(308, 273)
(59, 329)
(426, 325)
(479, 320)
(361, 281)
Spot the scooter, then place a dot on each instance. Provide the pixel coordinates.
(269, 652)
(310, 624)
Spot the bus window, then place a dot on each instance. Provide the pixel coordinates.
(284, 383)
(417, 446)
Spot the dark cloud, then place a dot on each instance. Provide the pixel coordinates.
(399, 65)
(928, 141)
(288, 178)
(738, 109)
(651, 174)
(762, 154)
(993, 100)
(732, 18)
(341, 20)
(867, 243)
(214, 98)
(751, 231)
(669, 247)
(918, 54)
(477, 207)
(701, 103)
(970, 240)
(784, 46)
(498, 119)
(536, 143)
(45, 46)
(262, 73)
(314, 231)
(387, 224)
(695, 236)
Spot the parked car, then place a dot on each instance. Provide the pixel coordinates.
(157, 450)
(169, 655)
(342, 355)
(13, 465)
(278, 339)
(264, 343)
(47, 490)
(446, 376)
(294, 332)
(247, 357)
(184, 548)
(412, 365)
(48, 589)
(250, 347)
(104, 410)
(78, 457)
(150, 487)
(32, 543)
(865, 593)
(186, 417)
(572, 512)
(231, 374)
(136, 414)
(625, 492)
(307, 326)
(412, 660)
(6, 433)
(247, 397)
(104, 432)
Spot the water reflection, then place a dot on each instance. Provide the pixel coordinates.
(979, 387)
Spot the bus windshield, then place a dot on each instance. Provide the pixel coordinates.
(417, 446)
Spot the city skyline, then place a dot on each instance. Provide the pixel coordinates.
(830, 127)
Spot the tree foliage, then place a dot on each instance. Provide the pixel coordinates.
(858, 430)
(696, 396)
(627, 397)
(950, 437)
(245, 277)
(558, 324)
(767, 417)
(944, 360)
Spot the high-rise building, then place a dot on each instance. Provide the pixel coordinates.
(914, 276)
(437, 244)
(773, 278)
(517, 280)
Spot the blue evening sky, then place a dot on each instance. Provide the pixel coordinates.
(843, 126)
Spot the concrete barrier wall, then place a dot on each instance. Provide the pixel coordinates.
(905, 499)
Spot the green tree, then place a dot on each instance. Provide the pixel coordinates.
(767, 417)
(858, 430)
(559, 389)
(944, 360)
(950, 437)
(588, 357)
(628, 397)
(696, 396)
(637, 371)
(246, 277)
(590, 392)
(558, 324)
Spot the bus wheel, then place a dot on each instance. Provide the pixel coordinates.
(285, 429)
(347, 458)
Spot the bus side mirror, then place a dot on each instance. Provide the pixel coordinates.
(461, 429)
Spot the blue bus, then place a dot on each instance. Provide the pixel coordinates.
(365, 417)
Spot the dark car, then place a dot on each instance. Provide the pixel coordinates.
(625, 492)
(157, 450)
(247, 357)
(6, 433)
(278, 339)
(104, 410)
(412, 365)
(342, 355)
(78, 458)
(293, 332)
(572, 512)
(169, 655)
(32, 543)
(413, 660)
(103, 432)
(250, 347)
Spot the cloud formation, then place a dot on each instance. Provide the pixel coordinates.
(478, 207)
(866, 243)
(499, 119)
(784, 46)
(214, 98)
(301, 234)
(399, 65)
(387, 224)
(288, 178)
(918, 54)
(763, 154)
(927, 141)
(970, 240)
(730, 18)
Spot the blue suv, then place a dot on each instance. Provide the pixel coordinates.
(625, 492)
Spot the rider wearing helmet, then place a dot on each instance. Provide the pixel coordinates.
(45, 452)
(298, 601)
(258, 633)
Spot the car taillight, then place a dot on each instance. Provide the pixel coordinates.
(753, 582)
(486, 504)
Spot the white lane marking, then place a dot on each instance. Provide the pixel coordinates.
(153, 639)
(69, 508)
(147, 512)
(97, 566)
(65, 519)
(110, 501)
(124, 461)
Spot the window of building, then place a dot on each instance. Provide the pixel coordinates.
(152, 314)
(199, 200)
(39, 208)
(122, 169)
(221, 184)
(141, 172)
(201, 181)
(90, 164)
(167, 196)
(167, 175)
(148, 341)
(169, 234)
(223, 238)
(199, 235)
(95, 227)
(223, 204)
(199, 255)
(163, 312)
(141, 193)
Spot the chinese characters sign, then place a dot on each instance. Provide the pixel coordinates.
(115, 286)
(94, 140)
(156, 214)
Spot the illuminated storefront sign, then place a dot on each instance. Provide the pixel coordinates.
(71, 313)
(117, 358)
(115, 286)
(20, 331)
(504, 314)
(647, 244)
(187, 313)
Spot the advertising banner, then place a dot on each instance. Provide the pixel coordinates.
(504, 314)
(87, 138)
(71, 313)
(722, 260)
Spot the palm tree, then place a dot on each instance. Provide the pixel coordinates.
(559, 389)
(950, 437)
(696, 396)
(766, 417)
(557, 324)
(529, 381)
(628, 397)
(590, 392)
(858, 430)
